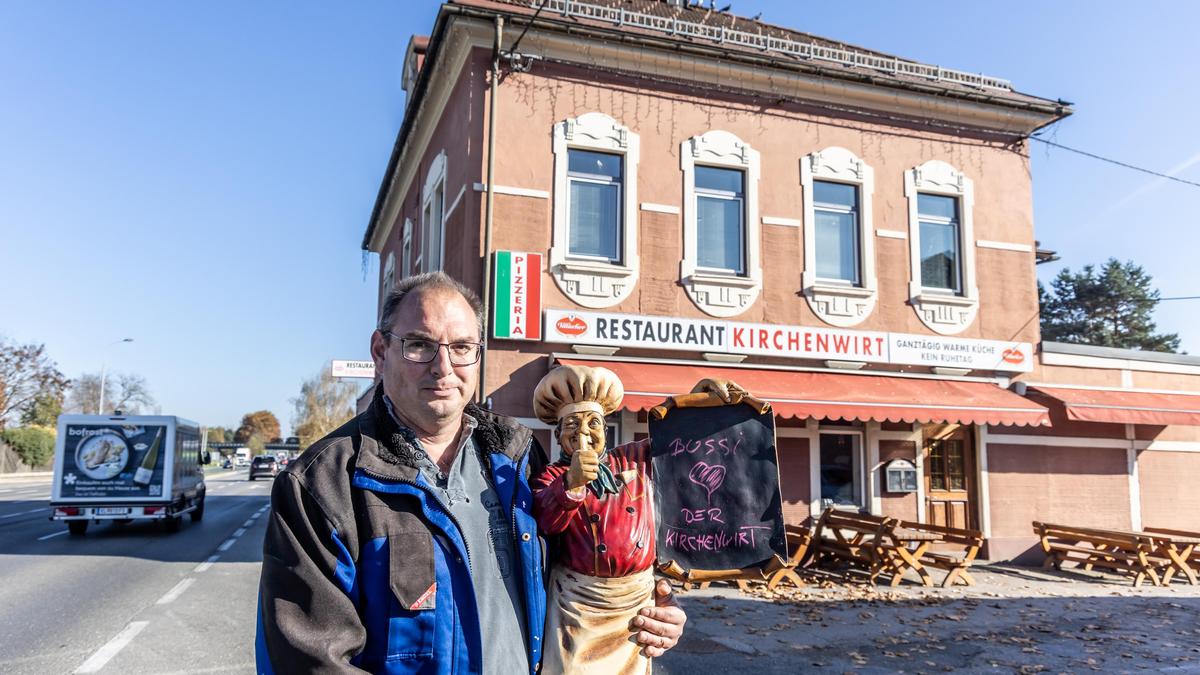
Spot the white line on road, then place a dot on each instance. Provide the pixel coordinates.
(174, 593)
(226, 545)
(21, 513)
(239, 532)
(207, 563)
(52, 535)
(249, 523)
(256, 487)
(110, 649)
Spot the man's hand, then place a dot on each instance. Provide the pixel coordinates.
(659, 628)
(721, 387)
(585, 466)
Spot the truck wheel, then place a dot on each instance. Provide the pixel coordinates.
(77, 527)
(172, 523)
(198, 514)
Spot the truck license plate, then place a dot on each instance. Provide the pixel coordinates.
(111, 511)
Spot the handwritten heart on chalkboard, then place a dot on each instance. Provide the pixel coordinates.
(708, 476)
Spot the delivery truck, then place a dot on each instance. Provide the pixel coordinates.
(127, 467)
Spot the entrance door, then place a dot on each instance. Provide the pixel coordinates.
(950, 478)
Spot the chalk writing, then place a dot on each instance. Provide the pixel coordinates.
(707, 446)
(702, 515)
(708, 476)
(742, 537)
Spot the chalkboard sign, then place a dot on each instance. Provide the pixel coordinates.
(716, 488)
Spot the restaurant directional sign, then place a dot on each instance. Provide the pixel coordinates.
(612, 329)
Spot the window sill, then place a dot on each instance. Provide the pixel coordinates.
(595, 266)
(945, 313)
(593, 283)
(838, 305)
(718, 279)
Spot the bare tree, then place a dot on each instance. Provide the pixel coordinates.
(126, 392)
(25, 372)
(324, 404)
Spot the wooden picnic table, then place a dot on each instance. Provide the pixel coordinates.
(910, 546)
(1152, 554)
(1180, 548)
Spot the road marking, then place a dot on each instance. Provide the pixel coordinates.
(22, 513)
(226, 545)
(239, 532)
(207, 563)
(250, 522)
(256, 487)
(174, 593)
(110, 649)
(52, 535)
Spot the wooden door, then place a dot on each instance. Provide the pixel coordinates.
(950, 493)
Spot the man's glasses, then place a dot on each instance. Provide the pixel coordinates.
(420, 350)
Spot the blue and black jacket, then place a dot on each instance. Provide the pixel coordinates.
(363, 570)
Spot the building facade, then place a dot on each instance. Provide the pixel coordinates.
(675, 192)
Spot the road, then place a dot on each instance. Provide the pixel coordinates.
(134, 598)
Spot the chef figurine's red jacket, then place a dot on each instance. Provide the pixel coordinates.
(611, 536)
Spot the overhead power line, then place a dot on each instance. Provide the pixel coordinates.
(1159, 174)
(1181, 297)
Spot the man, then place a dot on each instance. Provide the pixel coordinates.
(396, 541)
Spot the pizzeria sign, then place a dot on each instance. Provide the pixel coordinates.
(612, 329)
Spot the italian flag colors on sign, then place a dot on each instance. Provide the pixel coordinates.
(518, 302)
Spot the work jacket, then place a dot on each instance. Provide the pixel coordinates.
(364, 569)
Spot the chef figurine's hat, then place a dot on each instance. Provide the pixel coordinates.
(568, 389)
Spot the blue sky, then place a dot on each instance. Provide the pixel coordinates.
(197, 176)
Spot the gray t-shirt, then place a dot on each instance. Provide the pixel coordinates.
(467, 492)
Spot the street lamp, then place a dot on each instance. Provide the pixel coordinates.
(103, 372)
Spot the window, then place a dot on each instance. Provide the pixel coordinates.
(941, 247)
(946, 467)
(841, 469)
(433, 207)
(720, 219)
(406, 250)
(839, 241)
(594, 253)
(721, 269)
(835, 210)
(940, 242)
(595, 197)
(389, 279)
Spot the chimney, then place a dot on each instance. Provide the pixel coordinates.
(414, 58)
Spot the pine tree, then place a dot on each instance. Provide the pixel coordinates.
(1106, 308)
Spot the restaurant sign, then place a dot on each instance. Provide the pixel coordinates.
(611, 329)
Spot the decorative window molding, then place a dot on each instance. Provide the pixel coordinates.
(944, 312)
(839, 303)
(406, 249)
(717, 294)
(433, 210)
(592, 282)
(389, 278)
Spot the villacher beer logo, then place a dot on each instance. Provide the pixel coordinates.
(571, 326)
(1012, 355)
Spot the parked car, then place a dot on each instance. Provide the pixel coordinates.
(264, 465)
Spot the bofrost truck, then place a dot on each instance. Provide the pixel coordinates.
(127, 467)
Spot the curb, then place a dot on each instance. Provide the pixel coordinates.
(27, 474)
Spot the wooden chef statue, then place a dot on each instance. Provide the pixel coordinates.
(599, 506)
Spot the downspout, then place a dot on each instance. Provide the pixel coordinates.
(489, 198)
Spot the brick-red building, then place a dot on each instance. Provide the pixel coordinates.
(848, 233)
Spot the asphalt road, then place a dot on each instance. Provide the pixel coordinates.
(133, 598)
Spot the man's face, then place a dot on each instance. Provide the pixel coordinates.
(430, 395)
(583, 430)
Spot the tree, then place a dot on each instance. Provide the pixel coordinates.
(324, 404)
(1110, 307)
(126, 392)
(25, 372)
(262, 424)
(256, 445)
(218, 435)
(43, 410)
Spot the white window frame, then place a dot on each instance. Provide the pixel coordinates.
(833, 301)
(389, 278)
(719, 293)
(589, 281)
(860, 467)
(433, 243)
(725, 196)
(597, 180)
(942, 311)
(406, 266)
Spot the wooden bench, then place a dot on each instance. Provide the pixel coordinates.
(1132, 553)
(799, 540)
(1182, 548)
(957, 549)
(858, 539)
